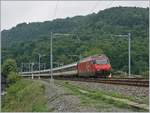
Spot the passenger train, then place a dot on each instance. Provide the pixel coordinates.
(93, 66)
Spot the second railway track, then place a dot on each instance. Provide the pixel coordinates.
(120, 81)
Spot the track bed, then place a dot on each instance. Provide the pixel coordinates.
(121, 81)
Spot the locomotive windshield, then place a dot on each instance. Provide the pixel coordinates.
(100, 62)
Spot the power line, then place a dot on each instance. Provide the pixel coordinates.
(97, 3)
(92, 9)
(55, 10)
(109, 4)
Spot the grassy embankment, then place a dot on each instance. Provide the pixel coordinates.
(89, 97)
(25, 96)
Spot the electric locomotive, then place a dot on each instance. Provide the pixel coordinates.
(94, 66)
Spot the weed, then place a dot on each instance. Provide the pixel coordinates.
(87, 97)
(25, 96)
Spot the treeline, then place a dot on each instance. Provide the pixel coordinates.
(96, 33)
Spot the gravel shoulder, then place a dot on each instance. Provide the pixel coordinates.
(138, 94)
(60, 99)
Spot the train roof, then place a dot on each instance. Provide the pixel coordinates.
(101, 56)
(56, 68)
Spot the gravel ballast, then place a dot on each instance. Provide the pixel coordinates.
(141, 94)
(62, 100)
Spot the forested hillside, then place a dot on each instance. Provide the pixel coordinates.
(95, 31)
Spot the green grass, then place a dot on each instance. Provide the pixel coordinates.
(89, 97)
(111, 93)
(25, 96)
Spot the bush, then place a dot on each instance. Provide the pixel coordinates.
(25, 96)
(13, 77)
(9, 66)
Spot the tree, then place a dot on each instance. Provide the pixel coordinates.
(9, 66)
(95, 32)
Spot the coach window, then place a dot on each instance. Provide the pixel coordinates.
(94, 62)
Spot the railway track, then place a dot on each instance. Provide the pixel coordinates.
(120, 81)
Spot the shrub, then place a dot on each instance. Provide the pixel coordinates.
(9, 66)
(25, 96)
(13, 77)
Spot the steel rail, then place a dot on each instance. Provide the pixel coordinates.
(127, 81)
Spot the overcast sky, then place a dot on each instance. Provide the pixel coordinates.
(15, 12)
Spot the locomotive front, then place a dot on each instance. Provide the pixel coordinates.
(94, 66)
(102, 66)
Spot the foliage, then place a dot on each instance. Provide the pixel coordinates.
(13, 77)
(95, 31)
(146, 74)
(20, 97)
(8, 67)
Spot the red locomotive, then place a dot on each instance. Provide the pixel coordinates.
(96, 66)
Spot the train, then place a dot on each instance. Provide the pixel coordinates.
(92, 66)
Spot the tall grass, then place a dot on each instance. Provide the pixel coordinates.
(25, 96)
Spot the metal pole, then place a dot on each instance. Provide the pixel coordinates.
(129, 52)
(43, 66)
(79, 45)
(21, 67)
(129, 49)
(32, 68)
(29, 67)
(39, 65)
(51, 58)
(51, 53)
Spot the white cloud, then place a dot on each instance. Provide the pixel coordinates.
(14, 12)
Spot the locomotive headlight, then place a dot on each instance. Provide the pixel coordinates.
(97, 67)
(104, 67)
(107, 67)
